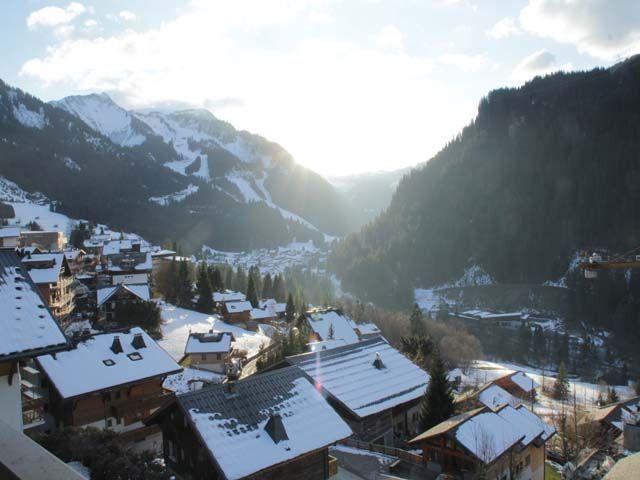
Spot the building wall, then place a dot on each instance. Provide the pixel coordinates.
(10, 398)
(129, 278)
(209, 361)
(9, 242)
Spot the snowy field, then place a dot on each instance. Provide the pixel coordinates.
(48, 220)
(483, 371)
(178, 322)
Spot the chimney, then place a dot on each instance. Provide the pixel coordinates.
(116, 346)
(275, 428)
(378, 362)
(138, 341)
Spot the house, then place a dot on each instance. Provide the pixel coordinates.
(52, 274)
(108, 298)
(237, 312)
(480, 319)
(209, 351)
(110, 381)
(262, 316)
(610, 421)
(28, 329)
(330, 324)
(156, 260)
(270, 426)
(51, 240)
(128, 267)
(277, 309)
(220, 298)
(373, 387)
(9, 237)
(366, 330)
(518, 384)
(482, 443)
(490, 395)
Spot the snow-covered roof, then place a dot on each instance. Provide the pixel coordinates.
(49, 274)
(163, 253)
(326, 345)
(72, 254)
(321, 321)
(94, 366)
(9, 232)
(26, 323)
(113, 247)
(237, 428)
(272, 306)
(348, 375)
(229, 296)
(525, 382)
(494, 397)
(140, 290)
(488, 434)
(235, 307)
(218, 342)
(258, 314)
(367, 328)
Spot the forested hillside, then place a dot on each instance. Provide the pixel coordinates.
(543, 171)
(184, 172)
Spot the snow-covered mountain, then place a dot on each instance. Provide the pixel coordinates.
(168, 175)
(245, 167)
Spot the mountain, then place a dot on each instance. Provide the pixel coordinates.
(163, 174)
(368, 193)
(543, 171)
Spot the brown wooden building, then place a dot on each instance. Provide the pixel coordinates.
(108, 298)
(51, 273)
(236, 312)
(518, 384)
(482, 443)
(110, 381)
(209, 351)
(375, 388)
(270, 426)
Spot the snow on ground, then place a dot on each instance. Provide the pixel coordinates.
(180, 382)
(175, 197)
(178, 322)
(429, 298)
(383, 459)
(573, 265)
(11, 192)
(48, 220)
(29, 118)
(483, 371)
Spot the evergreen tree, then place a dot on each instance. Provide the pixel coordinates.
(184, 292)
(524, 342)
(257, 280)
(290, 310)
(437, 404)
(171, 295)
(267, 286)
(561, 385)
(240, 282)
(612, 395)
(331, 332)
(228, 279)
(278, 289)
(416, 322)
(218, 284)
(252, 295)
(205, 294)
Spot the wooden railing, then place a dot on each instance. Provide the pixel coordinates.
(385, 450)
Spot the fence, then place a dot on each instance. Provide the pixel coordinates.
(385, 450)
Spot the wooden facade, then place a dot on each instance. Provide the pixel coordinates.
(185, 453)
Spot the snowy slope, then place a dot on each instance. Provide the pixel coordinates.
(104, 115)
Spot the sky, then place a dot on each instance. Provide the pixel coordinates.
(346, 86)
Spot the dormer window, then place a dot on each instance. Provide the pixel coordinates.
(108, 362)
(135, 356)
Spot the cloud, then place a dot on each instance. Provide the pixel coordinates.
(391, 37)
(541, 62)
(465, 61)
(127, 15)
(55, 16)
(90, 23)
(603, 29)
(503, 28)
(215, 104)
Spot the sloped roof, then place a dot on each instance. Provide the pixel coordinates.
(234, 307)
(9, 232)
(229, 296)
(232, 426)
(525, 382)
(44, 275)
(321, 321)
(140, 290)
(218, 342)
(26, 324)
(348, 375)
(447, 425)
(494, 397)
(258, 314)
(83, 369)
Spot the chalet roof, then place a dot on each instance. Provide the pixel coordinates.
(93, 365)
(139, 290)
(52, 263)
(229, 296)
(212, 342)
(348, 375)
(488, 434)
(271, 418)
(115, 246)
(258, 314)
(163, 253)
(9, 232)
(495, 397)
(26, 324)
(235, 307)
(521, 379)
(321, 321)
(272, 306)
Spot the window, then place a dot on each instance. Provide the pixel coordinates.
(218, 356)
(203, 356)
(108, 362)
(135, 356)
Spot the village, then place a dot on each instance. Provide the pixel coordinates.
(188, 365)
